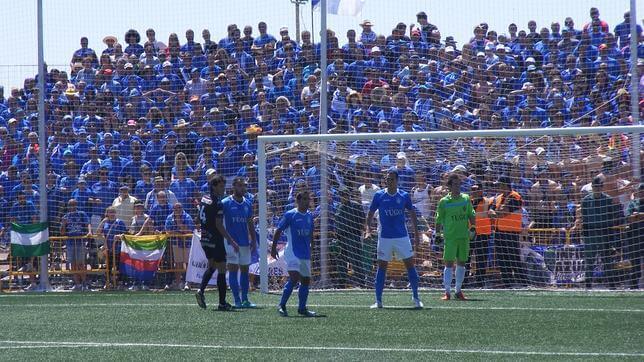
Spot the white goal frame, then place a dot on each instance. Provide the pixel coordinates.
(635, 131)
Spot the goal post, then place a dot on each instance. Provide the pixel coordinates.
(547, 166)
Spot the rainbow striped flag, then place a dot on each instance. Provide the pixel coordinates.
(141, 255)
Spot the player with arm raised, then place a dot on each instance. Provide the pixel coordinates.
(455, 220)
(238, 220)
(393, 238)
(297, 224)
(213, 232)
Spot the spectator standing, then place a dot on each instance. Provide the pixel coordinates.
(480, 244)
(178, 223)
(124, 204)
(76, 226)
(110, 230)
(599, 214)
(508, 208)
(349, 240)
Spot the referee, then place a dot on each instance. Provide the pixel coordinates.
(211, 214)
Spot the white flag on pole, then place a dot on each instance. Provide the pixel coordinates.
(341, 7)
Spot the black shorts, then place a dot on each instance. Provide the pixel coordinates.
(216, 252)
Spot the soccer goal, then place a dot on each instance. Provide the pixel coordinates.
(555, 207)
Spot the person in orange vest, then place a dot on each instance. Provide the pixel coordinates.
(508, 224)
(480, 244)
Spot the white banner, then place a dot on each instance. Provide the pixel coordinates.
(276, 268)
(197, 262)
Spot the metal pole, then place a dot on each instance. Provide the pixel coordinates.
(263, 216)
(324, 201)
(635, 152)
(297, 21)
(312, 26)
(42, 143)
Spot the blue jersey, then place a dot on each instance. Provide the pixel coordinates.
(298, 228)
(236, 216)
(77, 222)
(391, 213)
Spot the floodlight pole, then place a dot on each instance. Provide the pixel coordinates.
(297, 18)
(635, 151)
(42, 146)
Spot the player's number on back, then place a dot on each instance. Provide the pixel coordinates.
(202, 213)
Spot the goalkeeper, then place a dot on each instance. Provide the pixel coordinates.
(455, 220)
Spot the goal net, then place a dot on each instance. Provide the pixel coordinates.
(574, 222)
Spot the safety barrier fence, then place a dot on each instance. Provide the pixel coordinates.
(97, 264)
(561, 249)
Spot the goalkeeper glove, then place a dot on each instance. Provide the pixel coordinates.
(472, 233)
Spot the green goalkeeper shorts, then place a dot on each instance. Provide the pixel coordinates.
(456, 250)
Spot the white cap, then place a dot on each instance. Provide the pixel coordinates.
(460, 168)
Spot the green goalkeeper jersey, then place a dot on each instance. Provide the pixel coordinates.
(454, 214)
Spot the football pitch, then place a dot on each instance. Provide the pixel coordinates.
(494, 325)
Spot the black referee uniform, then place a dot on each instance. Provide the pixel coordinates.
(211, 239)
(212, 242)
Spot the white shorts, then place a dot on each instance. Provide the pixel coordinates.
(293, 263)
(238, 258)
(400, 248)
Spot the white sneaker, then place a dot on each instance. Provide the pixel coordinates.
(31, 286)
(418, 304)
(76, 288)
(186, 287)
(26, 268)
(144, 287)
(376, 305)
(133, 288)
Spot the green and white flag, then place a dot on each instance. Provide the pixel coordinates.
(29, 240)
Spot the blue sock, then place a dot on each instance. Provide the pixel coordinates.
(234, 285)
(243, 281)
(460, 276)
(413, 281)
(288, 289)
(447, 279)
(303, 294)
(381, 275)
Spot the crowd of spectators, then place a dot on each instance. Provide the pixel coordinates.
(149, 121)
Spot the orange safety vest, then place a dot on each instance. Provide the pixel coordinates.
(483, 221)
(511, 222)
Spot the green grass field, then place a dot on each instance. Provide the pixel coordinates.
(495, 325)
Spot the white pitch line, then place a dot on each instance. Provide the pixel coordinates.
(334, 306)
(53, 345)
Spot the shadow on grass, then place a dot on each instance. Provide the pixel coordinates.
(473, 300)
